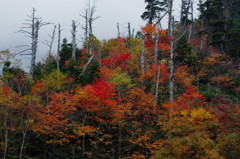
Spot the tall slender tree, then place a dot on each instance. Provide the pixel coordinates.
(31, 29)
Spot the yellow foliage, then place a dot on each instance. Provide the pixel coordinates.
(55, 80)
(201, 115)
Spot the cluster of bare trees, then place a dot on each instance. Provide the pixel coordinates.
(30, 28)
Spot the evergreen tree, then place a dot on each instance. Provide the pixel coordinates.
(221, 21)
(153, 9)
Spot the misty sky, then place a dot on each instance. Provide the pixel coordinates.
(14, 12)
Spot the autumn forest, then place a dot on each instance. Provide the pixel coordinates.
(157, 93)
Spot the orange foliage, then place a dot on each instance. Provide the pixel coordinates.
(53, 119)
(223, 80)
(142, 105)
(149, 30)
(151, 73)
(187, 101)
(215, 58)
(183, 77)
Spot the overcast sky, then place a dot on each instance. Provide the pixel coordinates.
(14, 12)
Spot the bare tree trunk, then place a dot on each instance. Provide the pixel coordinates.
(157, 82)
(171, 81)
(52, 40)
(118, 29)
(156, 47)
(84, 136)
(74, 47)
(187, 12)
(23, 142)
(73, 152)
(90, 18)
(129, 29)
(92, 10)
(50, 43)
(85, 67)
(35, 24)
(151, 13)
(201, 42)
(25, 126)
(181, 16)
(5, 134)
(119, 141)
(85, 28)
(191, 26)
(34, 48)
(156, 56)
(170, 5)
(5, 124)
(33, 43)
(143, 57)
(59, 45)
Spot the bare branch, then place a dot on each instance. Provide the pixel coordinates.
(31, 28)
(159, 20)
(85, 67)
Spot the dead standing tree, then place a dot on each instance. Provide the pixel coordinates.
(89, 17)
(84, 15)
(50, 42)
(31, 29)
(74, 45)
(173, 41)
(58, 46)
(191, 26)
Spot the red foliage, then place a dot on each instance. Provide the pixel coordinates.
(142, 105)
(117, 60)
(164, 73)
(103, 89)
(121, 39)
(98, 99)
(149, 43)
(227, 113)
(187, 101)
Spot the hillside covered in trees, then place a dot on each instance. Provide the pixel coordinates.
(160, 93)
